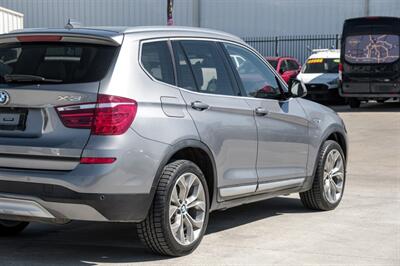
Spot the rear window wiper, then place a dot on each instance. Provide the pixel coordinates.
(28, 78)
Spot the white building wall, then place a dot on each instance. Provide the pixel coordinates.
(10, 20)
(55, 13)
(240, 17)
(289, 17)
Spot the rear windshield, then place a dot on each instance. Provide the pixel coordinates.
(273, 63)
(372, 49)
(55, 62)
(321, 65)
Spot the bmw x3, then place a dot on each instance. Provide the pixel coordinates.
(156, 126)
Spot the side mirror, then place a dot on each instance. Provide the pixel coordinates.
(297, 88)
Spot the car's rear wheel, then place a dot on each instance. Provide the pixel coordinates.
(11, 228)
(178, 217)
(330, 176)
(354, 103)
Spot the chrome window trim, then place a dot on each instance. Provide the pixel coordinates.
(245, 46)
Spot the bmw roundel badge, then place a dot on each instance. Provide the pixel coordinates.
(4, 97)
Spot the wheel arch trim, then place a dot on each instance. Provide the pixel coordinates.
(175, 148)
(332, 130)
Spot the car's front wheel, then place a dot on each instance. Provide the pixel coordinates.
(329, 180)
(11, 228)
(178, 217)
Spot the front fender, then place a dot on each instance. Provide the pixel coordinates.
(324, 123)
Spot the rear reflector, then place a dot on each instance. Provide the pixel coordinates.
(97, 160)
(39, 38)
(110, 115)
(340, 71)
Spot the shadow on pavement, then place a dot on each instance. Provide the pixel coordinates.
(234, 217)
(81, 243)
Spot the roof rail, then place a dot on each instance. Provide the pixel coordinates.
(73, 24)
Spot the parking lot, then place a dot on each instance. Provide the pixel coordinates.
(365, 229)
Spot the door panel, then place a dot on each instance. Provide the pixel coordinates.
(281, 125)
(228, 128)
(225, 122)
(283, 140)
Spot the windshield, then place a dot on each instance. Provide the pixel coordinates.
(372, 49)
(321, 65)
(54, 62)
(274, 63)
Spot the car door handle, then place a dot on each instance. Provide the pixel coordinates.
(261, 111)
(199, 106)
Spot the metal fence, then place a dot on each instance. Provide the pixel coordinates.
(296, 46)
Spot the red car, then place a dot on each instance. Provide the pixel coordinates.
(287, 67)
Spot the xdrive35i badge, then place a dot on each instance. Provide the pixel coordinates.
(4, 97)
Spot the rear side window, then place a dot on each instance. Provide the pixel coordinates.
(273, 63)
(372, 49)
(183, 70)
(157, 60)
(55, 62)
(208, 67)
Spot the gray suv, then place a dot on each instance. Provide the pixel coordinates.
(157, 126)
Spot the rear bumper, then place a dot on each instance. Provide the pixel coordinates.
(120, 192)
(49, 203)
(368, 90)
(369, 95)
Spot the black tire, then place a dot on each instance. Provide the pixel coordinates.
(354, 103)
(12, 228)
(155, 231)
(315, 198)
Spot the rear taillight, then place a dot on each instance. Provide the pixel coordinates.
(110, 115)
(340, 71)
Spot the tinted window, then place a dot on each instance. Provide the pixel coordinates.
(183, 71)
(274, 63)
(292, 65)
(208, 67)
(372, 49)
(257, 79)
(62, 62)
(321, 65)
(283, 67)
(156, 59)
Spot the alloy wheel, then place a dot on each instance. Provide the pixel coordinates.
(187, 209)
(333, 176)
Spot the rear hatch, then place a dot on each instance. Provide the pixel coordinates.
(38, 74)
(370, 55)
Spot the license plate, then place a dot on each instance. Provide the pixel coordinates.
(13, 119)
